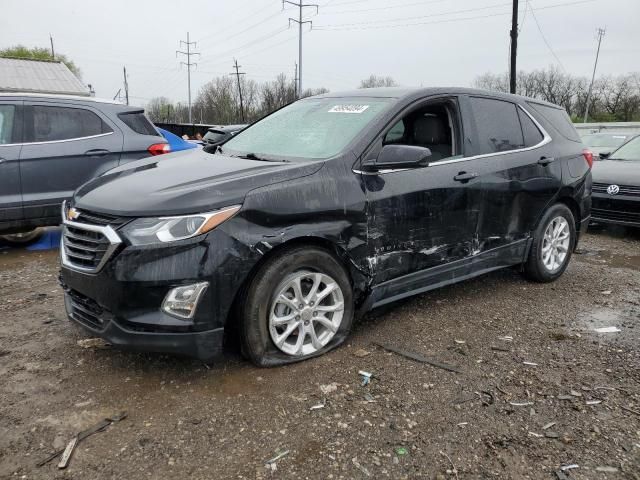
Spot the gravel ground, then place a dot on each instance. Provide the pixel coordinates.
(557, 394)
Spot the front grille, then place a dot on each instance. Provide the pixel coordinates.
(615, 215)
(101, 219)
(85, 310)
(89, 240)
(629, 190)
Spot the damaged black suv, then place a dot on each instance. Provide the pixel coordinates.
(327, 208)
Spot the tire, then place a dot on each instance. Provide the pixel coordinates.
(535, 268)
(307, 266)
(23, 238)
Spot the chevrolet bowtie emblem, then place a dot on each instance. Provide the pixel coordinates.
(72, 214)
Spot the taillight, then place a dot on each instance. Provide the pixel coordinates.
(588, 156)
(159, 148)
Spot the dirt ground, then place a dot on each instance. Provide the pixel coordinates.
(557, 394)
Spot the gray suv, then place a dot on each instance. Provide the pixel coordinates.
(52, 144)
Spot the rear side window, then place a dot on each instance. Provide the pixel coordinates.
(532, 134)
(497, 124)
(137, 122)
(7, 116)
(559, 119)
(64, 123)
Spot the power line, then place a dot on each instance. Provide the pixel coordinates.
(535, 18)
(601, 32)
(237, 74)
(356, 26)
(300, 22)
(234, 50)
(405, 5)
(188, 63)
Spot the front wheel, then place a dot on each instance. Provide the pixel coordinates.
(299, 305)
(553, 244)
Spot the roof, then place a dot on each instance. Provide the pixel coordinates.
(56, 97)
(40, 76)
(416, 93)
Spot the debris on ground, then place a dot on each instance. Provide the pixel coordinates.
(607, 469)
(549, 425)
(401, 451)
(369, 398)
(361, 352)
(571, 466)
(506, 338)
(66, 454)
(355, 462)
(460, 342)
(520, 404)
(98, 427)
(317, 407)
(607, 330)
(531, 364)
(606, 292)
(329, 388)
(366, 377)
(453, 470)
(500, 349)
(419, 358)
(279, 455)
(93, 343)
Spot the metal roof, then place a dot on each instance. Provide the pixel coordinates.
(24, 75)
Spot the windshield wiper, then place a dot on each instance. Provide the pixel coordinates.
(253, 156)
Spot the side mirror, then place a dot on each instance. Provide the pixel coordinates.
(604, 154)
(398, 156)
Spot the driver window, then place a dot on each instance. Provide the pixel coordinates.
(434, 126)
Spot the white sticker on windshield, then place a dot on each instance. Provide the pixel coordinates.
(348, 108)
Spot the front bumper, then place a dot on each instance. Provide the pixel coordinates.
(616, 209)
(205, 345)
(122, 301)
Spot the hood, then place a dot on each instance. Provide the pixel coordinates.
(620, 172)
(191, 181)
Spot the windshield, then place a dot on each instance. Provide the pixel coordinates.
(629, 151)
(212, 136)
(315, 128)
(604, 140)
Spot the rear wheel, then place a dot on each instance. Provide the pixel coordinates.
(23, 238)
(553, 244)
(299, 305)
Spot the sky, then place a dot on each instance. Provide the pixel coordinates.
(417, 42)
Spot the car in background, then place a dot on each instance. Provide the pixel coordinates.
(616, 186)
(218, 135)
(52, 144)
(605, 142)
(176, 143)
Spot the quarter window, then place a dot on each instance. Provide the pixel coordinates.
(137, 122)
(497, 124)
(64, 123)
(532, 134)
(7, 116)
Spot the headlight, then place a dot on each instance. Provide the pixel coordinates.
(146, 231)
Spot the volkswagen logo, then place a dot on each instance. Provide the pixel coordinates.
(613, 189)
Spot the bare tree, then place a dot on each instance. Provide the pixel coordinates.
(375, 81)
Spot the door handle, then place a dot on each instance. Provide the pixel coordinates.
(544, 161)
(465, 176)
(97, 152)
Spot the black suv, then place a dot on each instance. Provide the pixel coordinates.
(327, 208)
(52, 144)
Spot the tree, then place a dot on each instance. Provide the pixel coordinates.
(218, 101)
(612, 98)
(375, 81)
(37, 53)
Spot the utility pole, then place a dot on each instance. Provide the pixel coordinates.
(126, 85)
(601, 32)
(188, 63)
(295, 81)
(514, 47)
(299, 21)
(237, 73)
(53, 53)
(117, 95)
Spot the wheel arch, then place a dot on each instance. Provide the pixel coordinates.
(356, 277)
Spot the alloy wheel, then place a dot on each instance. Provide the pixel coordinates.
(306, 312)
(555, 244)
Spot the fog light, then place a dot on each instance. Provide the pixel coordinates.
(182, 301)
